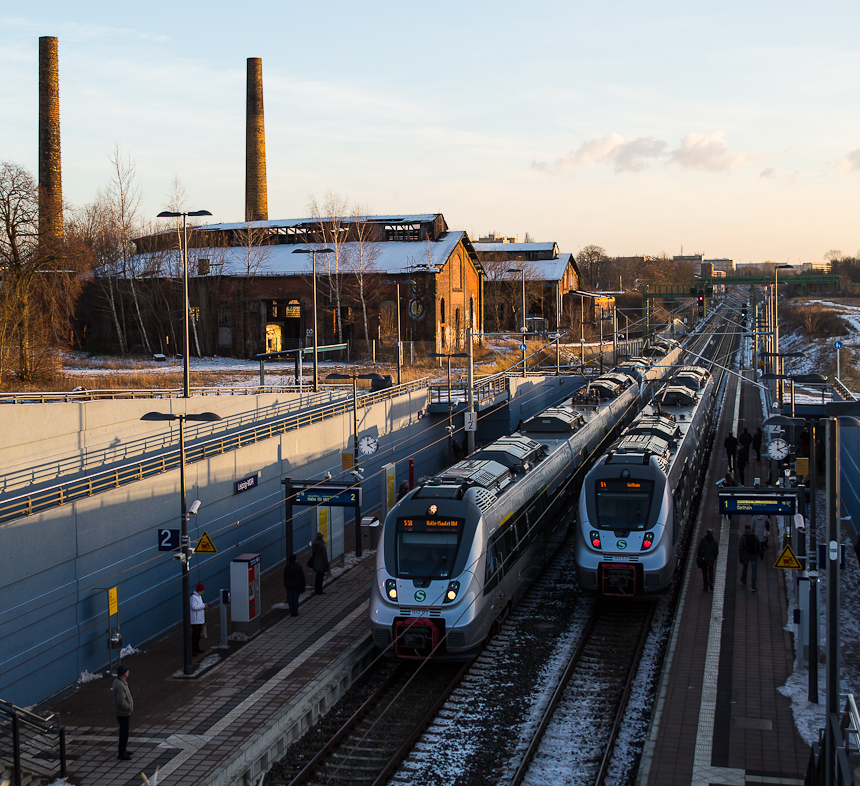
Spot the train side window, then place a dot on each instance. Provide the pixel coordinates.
(509, 539)
(491, 572)
(523, 528)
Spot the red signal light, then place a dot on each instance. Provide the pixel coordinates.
(595, 539)
(647, 540)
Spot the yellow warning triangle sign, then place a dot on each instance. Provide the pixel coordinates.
(787, 559)
(205, 545)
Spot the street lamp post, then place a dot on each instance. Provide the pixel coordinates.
(399, 344)
(524, 326)
(356, 469)
(313, 252)
(776, 270)
(183, 242)
(185, 551)
(450, 409)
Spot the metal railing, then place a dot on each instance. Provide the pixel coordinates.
(843, 391)
(31, 744)
(81, 394)
(844, 730)
(62, 493)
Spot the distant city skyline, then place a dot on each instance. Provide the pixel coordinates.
(728, 131)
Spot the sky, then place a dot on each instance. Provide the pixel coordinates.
(729, 129)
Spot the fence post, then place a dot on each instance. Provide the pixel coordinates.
(16, 747)
(62, 731)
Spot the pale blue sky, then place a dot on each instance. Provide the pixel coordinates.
(724, 128)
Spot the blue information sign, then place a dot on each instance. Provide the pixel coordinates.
(332, 497)
(750, 504)
(523, 347)
(168, 539)
(837, 344)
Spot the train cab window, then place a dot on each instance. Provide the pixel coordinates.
(623, 503)
(426, 547)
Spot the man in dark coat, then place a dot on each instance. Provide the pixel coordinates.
(319, 562)
(745, 439)
(748, 553)
(731, 446)
(706, 558)
(742, 459)
(756, 443)
(123, 706)
(294, 584)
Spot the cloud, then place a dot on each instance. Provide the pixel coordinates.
(769, 172)
(850, 163)
(708, 152)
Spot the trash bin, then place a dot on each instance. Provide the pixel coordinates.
(370, 531)
(115, 640)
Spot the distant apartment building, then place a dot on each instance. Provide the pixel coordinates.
(494, 238)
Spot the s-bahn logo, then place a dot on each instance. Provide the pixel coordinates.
(621, 545)
(420, 596)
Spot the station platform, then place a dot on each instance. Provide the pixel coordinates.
(227, 725)
(720, 718)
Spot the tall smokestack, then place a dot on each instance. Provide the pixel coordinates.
(256, 201)
(50, 171)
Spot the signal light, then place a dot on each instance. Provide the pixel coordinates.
(451, 592)
(594, 537)
(391, 589)
(648, 540)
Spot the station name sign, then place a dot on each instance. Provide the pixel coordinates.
(749, 504)
(251, 482)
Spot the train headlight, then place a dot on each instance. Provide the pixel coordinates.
(594, 537)
(648, 540)
(451, 592)
(391, 589)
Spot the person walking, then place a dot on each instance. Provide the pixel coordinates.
(745, 439)
(731, 446)
(319, 562)
(748, 553)
(756, 442)
(294, 584)
(123, 706)
(706, 558)
(742, 460)
(198, 619)
(403, 490)
(761, 528)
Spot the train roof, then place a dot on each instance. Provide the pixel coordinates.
(563, 419)
(693, 377)
(516, 451)
(638, 448)
(454, 481)
(678, 395)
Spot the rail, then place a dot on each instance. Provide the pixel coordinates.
(62, 493)
(81, 394)
(842, 390)
(31, 744)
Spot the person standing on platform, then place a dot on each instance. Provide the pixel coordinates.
(731, 446)
(294, 584)
(749, 553)
(745, 439)
(198, 619)
(756, 442)
(706, 558)
(403, 490)
(123, 706)
(743, 458)
(319, 562)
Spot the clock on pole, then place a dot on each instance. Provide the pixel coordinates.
(777, 449)
(368, 445)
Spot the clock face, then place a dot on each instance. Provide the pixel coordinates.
(368, 445)
(777, 449)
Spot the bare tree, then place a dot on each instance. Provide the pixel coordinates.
(590, 262)
(331, 232)
(361, 258)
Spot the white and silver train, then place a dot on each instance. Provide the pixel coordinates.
(459, 550)
(637, 497)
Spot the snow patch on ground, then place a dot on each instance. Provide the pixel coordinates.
(88, 677)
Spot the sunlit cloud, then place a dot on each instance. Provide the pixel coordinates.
(850, 163)
(707, 152)
(768, 172)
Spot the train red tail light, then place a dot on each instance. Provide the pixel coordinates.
(648, 540)
(594, 537)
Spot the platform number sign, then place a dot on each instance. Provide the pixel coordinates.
(168, 539)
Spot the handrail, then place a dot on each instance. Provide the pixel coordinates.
(61, 493)
(32, 751)
(133, 393)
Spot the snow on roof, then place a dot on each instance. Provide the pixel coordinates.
(286, 223)
(391, 257)
(512, 247)
(551, 269)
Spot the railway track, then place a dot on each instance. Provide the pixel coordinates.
(369, 746)
(580, 724)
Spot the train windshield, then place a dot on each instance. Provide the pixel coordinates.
(623, 504)
(427, 547)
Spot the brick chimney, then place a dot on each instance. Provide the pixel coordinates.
(256, 200)
(50, 170)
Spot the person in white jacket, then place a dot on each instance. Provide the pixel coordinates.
(198, 619)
